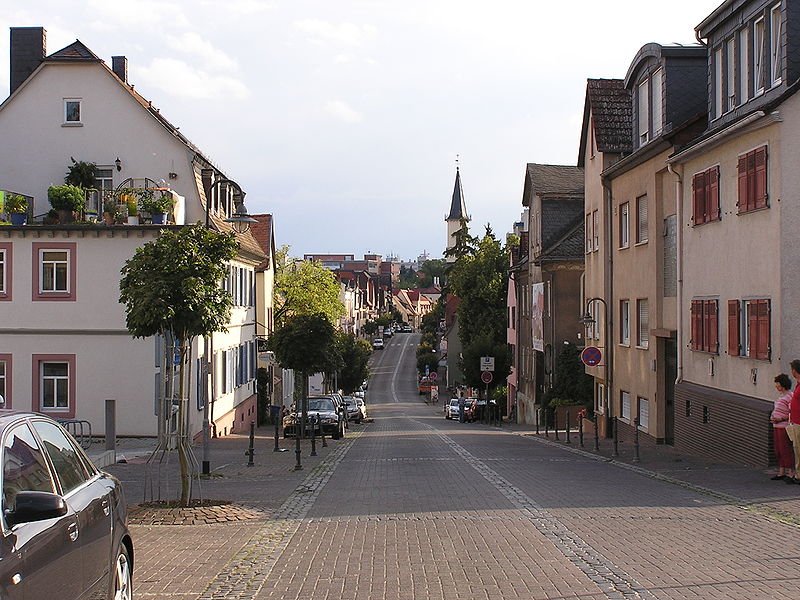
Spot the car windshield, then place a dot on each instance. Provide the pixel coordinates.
(350, 401)
(320, 404)
(453, 402)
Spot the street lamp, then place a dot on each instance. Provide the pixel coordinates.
(240, 220)
(588, 319)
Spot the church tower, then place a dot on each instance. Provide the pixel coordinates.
(458, 212)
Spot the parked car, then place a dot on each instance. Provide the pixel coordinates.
(331, 418)
(387, 333)
(451, 409)
(353, 411)
(377, 344)
(65, 531)
(406, 328)
(426, 384)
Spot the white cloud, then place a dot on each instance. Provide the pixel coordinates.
(344, 33)
(343, 111)
(241, 7)
(181, 79)
(148, 13)
(205, 52)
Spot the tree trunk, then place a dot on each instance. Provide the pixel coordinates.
(183, 459)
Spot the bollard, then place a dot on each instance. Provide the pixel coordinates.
(555, 423)
(277, 447)
(615, 452)
(546, 425)
(298, 466)
(251, 450)
(580, 430)
(111, 424)
(636, 440)
(596, 434)
(568, 427)
(314, 421)
(537, 413)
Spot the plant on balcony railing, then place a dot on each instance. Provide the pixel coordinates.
(16, 206)
(81, 174)
(68, 200)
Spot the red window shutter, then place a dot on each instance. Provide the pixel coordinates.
(760, 167)
(697, 325)
(733, 327)
(698, 199)
(763, 310)
(712, 195)
(742, 169)
(751, 180)
(752, 329)
(712, 328)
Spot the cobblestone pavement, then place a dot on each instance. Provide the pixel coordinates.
(416, 507)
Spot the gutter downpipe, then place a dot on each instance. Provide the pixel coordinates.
(609, 305)
(679, 253)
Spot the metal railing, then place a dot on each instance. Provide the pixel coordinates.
(79, 429)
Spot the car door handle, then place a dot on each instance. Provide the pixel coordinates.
(72, 529)
(105, 507)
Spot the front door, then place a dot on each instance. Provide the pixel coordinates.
(670, 374)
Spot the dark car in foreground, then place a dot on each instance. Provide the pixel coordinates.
(65, 532)
(327, 409)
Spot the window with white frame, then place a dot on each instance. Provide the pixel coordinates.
(744, 66)
(3, 270)
(624, 225)
(643, 108)
(643, 323)
(775, 54)
(730, 74)
(104, 180)
(599, 398)
(641, 219)
(588, 231)
(657, 88)
(596, 229)
(643, 413)
(54, 385)
(625, 322)
(54, 271)
(3, 390)
(718, 97)
(758, 56)
(625, 401)
(72, 110)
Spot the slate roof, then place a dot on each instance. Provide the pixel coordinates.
(75, 51)
(458, 210)
(554, 179)
(612, 111)
(570, 246)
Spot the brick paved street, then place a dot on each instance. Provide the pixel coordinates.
(416, 507)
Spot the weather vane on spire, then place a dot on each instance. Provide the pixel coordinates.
(458, 157)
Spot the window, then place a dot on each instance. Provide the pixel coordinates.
(70, 469)
(752, 170)
(705, 196)
(734, 347)
(730, 74)
(643, 413)
(758, 56)
(643, 107)
(625, 322)
(775, 60)
(704, 326)
(54, 271)
(641, 219)
(588, 228)
(599, 398)
(596, 229)
(54, 390)
(3, 386)
(72, 111)
(643, 323)
(24, 466)
(624, 225)
(718, 96)
(656, 84)
(757, 335)
(744, 66)
(5, 271)
(625, 400)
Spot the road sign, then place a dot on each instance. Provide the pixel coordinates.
(433, 375)
(487, 363)
(486, 377)
(591, 356)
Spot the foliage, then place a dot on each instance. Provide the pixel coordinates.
(370, 327)
(263, 385)
(571, 384)
(500, 395)
(464, 245)
(66, 197)
(355, 354)
(172, 284)
(479, 278)
(429, 360)
(303, 343)
(305, 288)
(16, 204)
(157, 205)
(81, 174)
(430, 322)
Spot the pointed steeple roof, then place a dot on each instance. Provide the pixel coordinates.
(75, 51)
(458, 210)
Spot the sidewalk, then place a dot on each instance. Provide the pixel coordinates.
(180, 561)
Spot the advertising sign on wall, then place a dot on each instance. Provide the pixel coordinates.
(537, 316)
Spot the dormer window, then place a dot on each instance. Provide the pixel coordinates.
(643, 107)
(776, 64)
(650, 107)
(72, 111)
(657, 86)
(758, 56)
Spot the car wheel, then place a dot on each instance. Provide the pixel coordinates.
(123, 579)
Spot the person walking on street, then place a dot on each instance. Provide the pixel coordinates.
(793, 428)
(780, 420)
(461, 406)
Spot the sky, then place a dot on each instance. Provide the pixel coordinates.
(344, 118)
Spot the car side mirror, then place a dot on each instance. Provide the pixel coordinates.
(32, 506)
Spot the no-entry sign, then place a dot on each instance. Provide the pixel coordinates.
(591, 356)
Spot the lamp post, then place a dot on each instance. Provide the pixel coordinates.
(241, 222)
(589, 319)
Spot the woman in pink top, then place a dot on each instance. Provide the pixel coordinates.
(780, 419)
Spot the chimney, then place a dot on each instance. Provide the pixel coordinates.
(119, 64)
(28, 46)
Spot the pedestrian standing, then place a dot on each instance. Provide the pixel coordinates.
(780, 420)
(461, 405)
(793, 428)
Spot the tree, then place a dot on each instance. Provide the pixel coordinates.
(171, 287)
(355, 355)
(571, 384)
(305, 288)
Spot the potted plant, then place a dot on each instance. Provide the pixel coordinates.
(67, 200)
(159, 207)
(111, 212)
(17, 208)
(132, 202)
(81, 174)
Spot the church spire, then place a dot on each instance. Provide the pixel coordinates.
(458, 210)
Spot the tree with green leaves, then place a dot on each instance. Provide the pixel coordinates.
(171, 287)
(305, 288)
(355, 355)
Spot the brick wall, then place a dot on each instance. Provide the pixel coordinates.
(723, 426)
